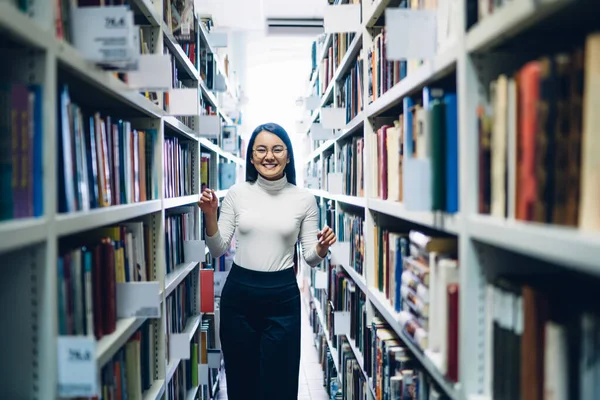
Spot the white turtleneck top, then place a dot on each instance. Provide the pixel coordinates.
(267, 218)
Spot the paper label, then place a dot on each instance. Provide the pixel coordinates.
(138, 299)
(186, 29)
(77, 368)
(104, 34)
(411, 34)
(320, 280)
(179, 346)
(342, 18)
(214, 358)
(318, 132)
(341, 323)
(333, 117)
(153, 73)
(203, 374)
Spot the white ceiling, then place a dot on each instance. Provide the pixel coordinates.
(251, 14)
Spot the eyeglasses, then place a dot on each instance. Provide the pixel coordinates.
(277, 151)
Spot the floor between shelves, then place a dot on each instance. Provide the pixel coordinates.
(311, 374)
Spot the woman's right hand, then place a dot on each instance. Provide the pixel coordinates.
(209, 203)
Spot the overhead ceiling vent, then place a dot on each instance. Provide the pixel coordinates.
(295, 26)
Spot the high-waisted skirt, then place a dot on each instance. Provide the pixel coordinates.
(260, 334)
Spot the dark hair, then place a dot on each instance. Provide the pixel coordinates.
(290, 168)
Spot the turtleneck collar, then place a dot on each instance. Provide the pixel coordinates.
(271, 186)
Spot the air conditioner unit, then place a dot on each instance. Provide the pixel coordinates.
(295, 26)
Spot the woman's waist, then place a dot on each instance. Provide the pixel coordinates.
(263, 278)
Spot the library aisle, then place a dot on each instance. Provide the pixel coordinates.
(453, 146)
(311, 374)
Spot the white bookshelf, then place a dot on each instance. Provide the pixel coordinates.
(29, 247)
(460, 60)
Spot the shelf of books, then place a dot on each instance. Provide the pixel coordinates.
(459, 178)
(101, 239)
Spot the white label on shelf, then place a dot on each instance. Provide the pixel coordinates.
(186, 29)
(209, 125)
(153, 73)
(416, 182)
(104, 34)
(179, 346)
(214, 358)
(219, 83)
(194, 251)
(184, 102)
(341, 323)
(318, 132)
(312, 102)
(138, 299)
(230, 145)
(311, 182)
(335, 182)
(203, 374)
(340, 254)
(333, 117)
(220, 279)
(320, 280)
(77, 367)
(342, 18)
(410, 34)
(218, 39)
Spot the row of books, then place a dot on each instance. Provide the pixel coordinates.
(541, 335)
(350, 95)
(178, 157)
(179, 227)
(537, 141)
(186, 378)
(326, 356)
(383, 74)
(350, 164)
(418, 274)
(180, 307)
(21, 146)
(344, 295)
(329, 64)
(394, 371)
(391, 369)
(130, 373)
(90, 267)
(415, 160)
(103, 161)
(351, 229)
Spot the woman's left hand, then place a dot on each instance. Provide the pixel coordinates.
(326, 238)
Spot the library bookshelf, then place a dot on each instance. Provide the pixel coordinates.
(124, 273)
(363, 174)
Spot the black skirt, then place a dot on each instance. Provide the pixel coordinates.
(260, 334)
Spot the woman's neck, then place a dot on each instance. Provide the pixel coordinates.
(272, 185)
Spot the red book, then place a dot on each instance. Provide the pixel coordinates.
(452, 356)
(529, 95)
(207, 290)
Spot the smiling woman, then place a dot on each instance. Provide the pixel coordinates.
(260, 302)
(272, 154)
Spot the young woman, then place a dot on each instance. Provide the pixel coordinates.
(260, 302)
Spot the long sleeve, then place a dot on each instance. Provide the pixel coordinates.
(219, 242)
(308, 233)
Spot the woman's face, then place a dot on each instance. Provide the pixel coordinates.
(269, 155)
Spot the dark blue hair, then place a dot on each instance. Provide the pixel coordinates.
(290, 168)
